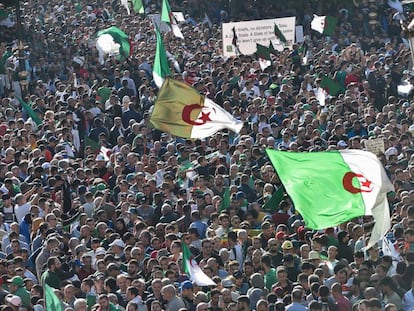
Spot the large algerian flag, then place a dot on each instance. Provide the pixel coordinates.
(182, 111)
(330, 188)
(120, 38)
(191, 268)
(161, 69)
(168, 17)
(324, 24)
(52, 301)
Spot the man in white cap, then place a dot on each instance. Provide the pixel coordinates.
(118, 248)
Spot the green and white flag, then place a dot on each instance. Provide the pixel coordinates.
(114, 41)
(168, 17)
(191, 268)
(330, 188)
(161, 67)
(138, 6)
(324, 24)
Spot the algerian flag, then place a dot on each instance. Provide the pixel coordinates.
(330, 188)
(168, 17)
(89, 142)
(388, 249)
(161, 68)
(279, 34)
(263, 53)
(119, 44)
(30, 112)
(138, 6)
(330, 86)
(324, 24)
(105, 153)
(191, 268)
(52, 302)
(182, 111)
(125, 4)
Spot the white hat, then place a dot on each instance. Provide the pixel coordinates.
(313, 255)
(14, 300)
(391, 151)
(46, 165)
(118, 242)
(100, 251)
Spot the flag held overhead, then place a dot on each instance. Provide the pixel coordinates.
(182, 111)
(161, 67)
(168, 17)
(330, 188)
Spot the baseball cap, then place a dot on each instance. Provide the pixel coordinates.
(266, 225)
(14, 300)
(16, 280)
(227, 283)
(186, 285)
(133, 210)
(342, 143)
(118, 242)
(100, 251)
(313, 255)
(287, 245)
(100, 187)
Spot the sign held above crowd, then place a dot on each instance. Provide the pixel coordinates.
(250, 33)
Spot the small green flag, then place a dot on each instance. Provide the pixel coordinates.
(161, 66)
(31, 113)
(263, 51)
(93, 144)
(330, 25)
(225, 201)
(280, 35)
(138, 6)
(272, 49)
(52, 302)
(330, 86)
(273, 204)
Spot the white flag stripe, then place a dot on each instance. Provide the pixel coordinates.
(376, 188)
(220, 118)
(318, 23)
(198, 276)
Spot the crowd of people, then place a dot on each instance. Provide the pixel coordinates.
(96, 203)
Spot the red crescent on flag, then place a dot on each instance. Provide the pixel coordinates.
(366, 185)
(191, 261)
(186, 115)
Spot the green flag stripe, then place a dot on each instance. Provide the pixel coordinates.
(52, 301)
(31, 113)
(138, 6)
(186, 257)
(314, 181)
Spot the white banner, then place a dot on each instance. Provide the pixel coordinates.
(258, 31)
